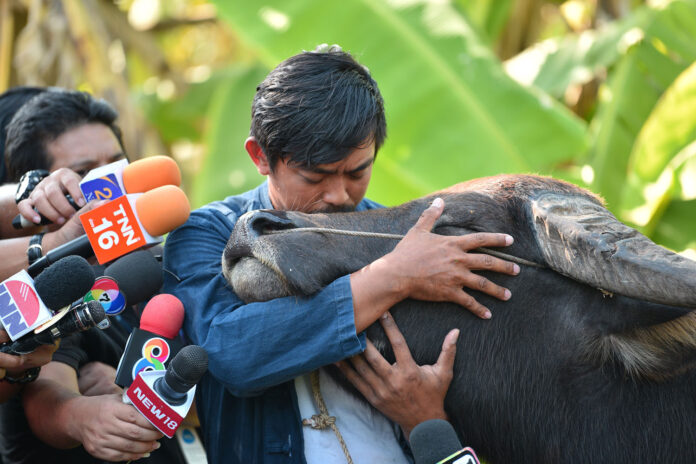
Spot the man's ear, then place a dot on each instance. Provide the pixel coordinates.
(258, 157)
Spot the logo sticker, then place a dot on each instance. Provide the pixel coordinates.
(21, 309)
(105, 290)
(155, 354)
(101, 188)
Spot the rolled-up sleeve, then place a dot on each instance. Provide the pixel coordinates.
(253, 346)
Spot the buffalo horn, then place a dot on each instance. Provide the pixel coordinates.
(583, 240)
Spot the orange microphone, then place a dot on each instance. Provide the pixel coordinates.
(119, 178)
(134, 220)
(123, 225)
(149, 173)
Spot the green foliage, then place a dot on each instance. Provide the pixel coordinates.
(645, 71)
(226, 168)
(555, 64)
(453, 114)
(488, 16)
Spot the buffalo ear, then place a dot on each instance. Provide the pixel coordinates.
(652, 345)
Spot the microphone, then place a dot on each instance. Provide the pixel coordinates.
(128, 281)
(164, 398)
(25, 304)
(123, 225)
(118, 178)
(151, 346)
(77, 318)
(64, 281)
(435, 442)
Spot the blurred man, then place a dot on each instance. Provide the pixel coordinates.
(61, 135)
(10, 102)
(74, 400)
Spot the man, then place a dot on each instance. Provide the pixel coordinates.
(74, 401)
(317, 124)
(67, 134)
(14, 369)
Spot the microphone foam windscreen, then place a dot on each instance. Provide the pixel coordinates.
(162, 209)
(148, 173)
(433, 440)
(163, 315)
(138, 275)
(187, 368)
(64, 281)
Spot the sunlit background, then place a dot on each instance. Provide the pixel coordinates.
(598, 92)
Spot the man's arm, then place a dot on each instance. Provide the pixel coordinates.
(254, 346)
(259, 345)
(106, 427)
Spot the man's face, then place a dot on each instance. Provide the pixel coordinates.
(331, 187)
(84, 148)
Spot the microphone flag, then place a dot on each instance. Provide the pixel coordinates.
(113, 229)
(145, 351)
(165, 417)
(21, 309)
(104, 182)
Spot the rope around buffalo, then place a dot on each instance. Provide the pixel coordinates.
(356, 233)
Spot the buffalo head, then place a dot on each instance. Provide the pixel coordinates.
(591, 359)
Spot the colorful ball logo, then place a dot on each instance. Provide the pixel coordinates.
(155, 354)
(105, 290)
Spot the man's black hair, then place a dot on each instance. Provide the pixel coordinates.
(315, 108)
(10, 102)
(46, 117)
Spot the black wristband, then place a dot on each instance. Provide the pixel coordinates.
(35, 251)
(29, 376)
(28, 182)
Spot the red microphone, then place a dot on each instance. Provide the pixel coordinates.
(155, 343)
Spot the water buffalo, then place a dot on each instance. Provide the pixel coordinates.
(590, 361)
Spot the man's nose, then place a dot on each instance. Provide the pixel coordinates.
(336, 193)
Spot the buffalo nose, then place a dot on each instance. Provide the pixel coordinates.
(257, 223)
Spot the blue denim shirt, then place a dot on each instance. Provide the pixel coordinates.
(247, 401)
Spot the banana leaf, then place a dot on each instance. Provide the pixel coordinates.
(452, 112)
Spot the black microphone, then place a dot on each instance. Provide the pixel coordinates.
(78, 318)
(77, 247)
(164, 397)
(64, 281)
(138, 275)
(185, 371)
(435, 442)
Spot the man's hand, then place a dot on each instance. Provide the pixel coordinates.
(96, 378)
(406, 393)
(48, 197)
(14, 365)
(112, 430)
(433, 267)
